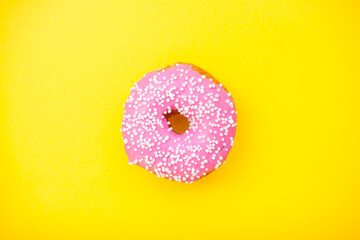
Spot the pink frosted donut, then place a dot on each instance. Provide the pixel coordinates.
(179, 123)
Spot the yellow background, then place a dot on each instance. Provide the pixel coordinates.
(66, 68)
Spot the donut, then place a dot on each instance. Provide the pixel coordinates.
(179, 123)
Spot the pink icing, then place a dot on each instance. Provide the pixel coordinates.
(151, 144)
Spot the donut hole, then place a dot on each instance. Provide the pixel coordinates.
(178, 122)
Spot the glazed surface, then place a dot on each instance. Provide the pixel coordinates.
(149, 140)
